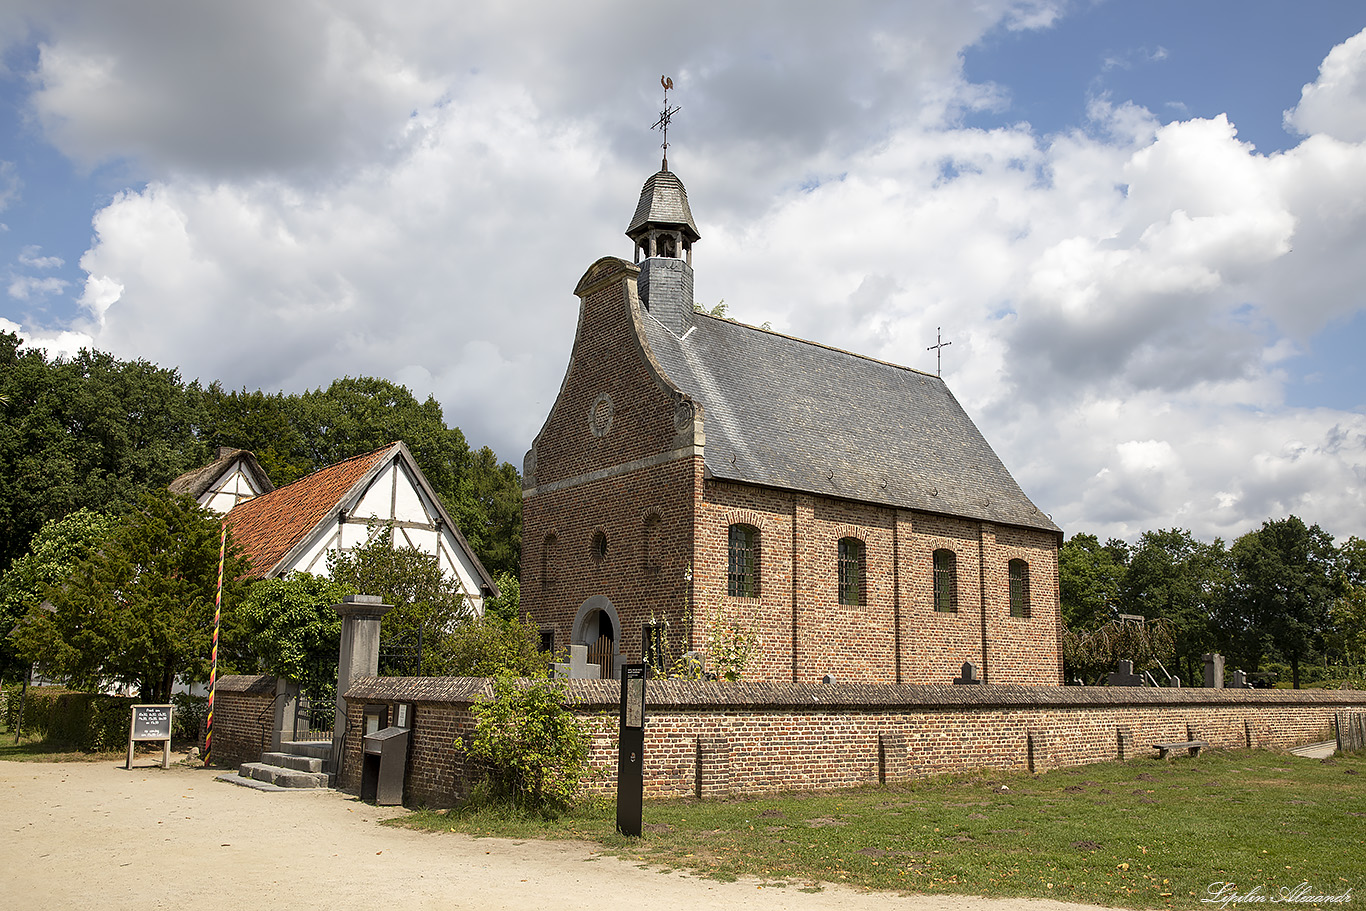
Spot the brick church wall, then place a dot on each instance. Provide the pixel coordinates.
(629, 479)
(710, 739)
(636, 481)
(895, 635)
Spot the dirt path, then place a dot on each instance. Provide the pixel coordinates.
(93, 835)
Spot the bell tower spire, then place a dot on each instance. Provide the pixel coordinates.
(663, 232)
(665, 116)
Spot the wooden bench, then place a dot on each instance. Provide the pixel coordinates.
(1165, 749)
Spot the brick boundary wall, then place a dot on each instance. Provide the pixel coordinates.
(242, 718)
(712, 739)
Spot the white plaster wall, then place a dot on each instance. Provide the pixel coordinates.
(394, 496)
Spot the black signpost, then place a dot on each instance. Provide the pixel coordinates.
(631, 752)
(151, 722)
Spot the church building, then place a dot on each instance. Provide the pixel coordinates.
(696, 475)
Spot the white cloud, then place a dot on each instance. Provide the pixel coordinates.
(1334, 105)
(26, 287)
(398, 192)
(32, 256)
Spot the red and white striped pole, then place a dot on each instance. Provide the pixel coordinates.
(217, 619)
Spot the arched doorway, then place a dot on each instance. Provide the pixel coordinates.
(597, 626)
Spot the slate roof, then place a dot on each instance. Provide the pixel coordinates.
(197, 481)
(269, 526)
(663, 201)
(787, 413)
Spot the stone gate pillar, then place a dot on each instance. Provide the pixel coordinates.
(359, 655)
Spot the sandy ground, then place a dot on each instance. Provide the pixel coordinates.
(94, 835)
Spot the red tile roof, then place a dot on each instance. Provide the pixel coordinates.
(268, 526)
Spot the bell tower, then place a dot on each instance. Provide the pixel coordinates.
(663, 233)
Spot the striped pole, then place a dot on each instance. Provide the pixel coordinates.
(217, 619)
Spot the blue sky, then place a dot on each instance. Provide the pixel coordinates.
(1140, 224)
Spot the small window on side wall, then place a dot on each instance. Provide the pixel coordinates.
(742, 578)
(945, 581)
(852, 568)
(1019, 588)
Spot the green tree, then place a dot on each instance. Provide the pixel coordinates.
(1091, 655)
(1090, 576)
(54, 552)
(91, 431)
(508, 604)
(488, 511)
(139, 610)
(1174, 576)
(428, 605)
(493, 647)
(1286, 576)
(294, 631)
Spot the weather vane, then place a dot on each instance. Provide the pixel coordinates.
(666, 115)
(938, 349)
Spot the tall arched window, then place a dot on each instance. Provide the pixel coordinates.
(851, 571)
(742, 579)
(1019, 588)
(945, 581)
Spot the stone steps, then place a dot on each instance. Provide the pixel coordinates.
(298, 765)
(281, 777)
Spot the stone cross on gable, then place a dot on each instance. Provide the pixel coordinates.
(938, 349)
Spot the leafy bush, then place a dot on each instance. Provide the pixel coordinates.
(90, 722)
(73, 721)
(492, 647)
(530, 744)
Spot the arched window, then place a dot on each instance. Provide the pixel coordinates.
(945, 581)
(549, 546)
(1019, 588)
(743, 576)
(597, 546)
(851, 571)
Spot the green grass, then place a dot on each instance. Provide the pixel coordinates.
(32, 748)
(1141, 834)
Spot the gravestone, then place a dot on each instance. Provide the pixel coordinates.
(1214, 670)
(578, 667)
(1124, 676)
(1239, 680)
(967, 675)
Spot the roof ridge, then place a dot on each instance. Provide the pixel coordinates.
(807, 341)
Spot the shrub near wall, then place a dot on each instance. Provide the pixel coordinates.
(74, 721)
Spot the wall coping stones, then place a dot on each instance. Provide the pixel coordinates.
(747, 695)
(262, 684)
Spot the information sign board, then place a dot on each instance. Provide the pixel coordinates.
(151, 722)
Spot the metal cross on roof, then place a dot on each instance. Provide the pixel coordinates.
(665, 116)
(938, 350)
